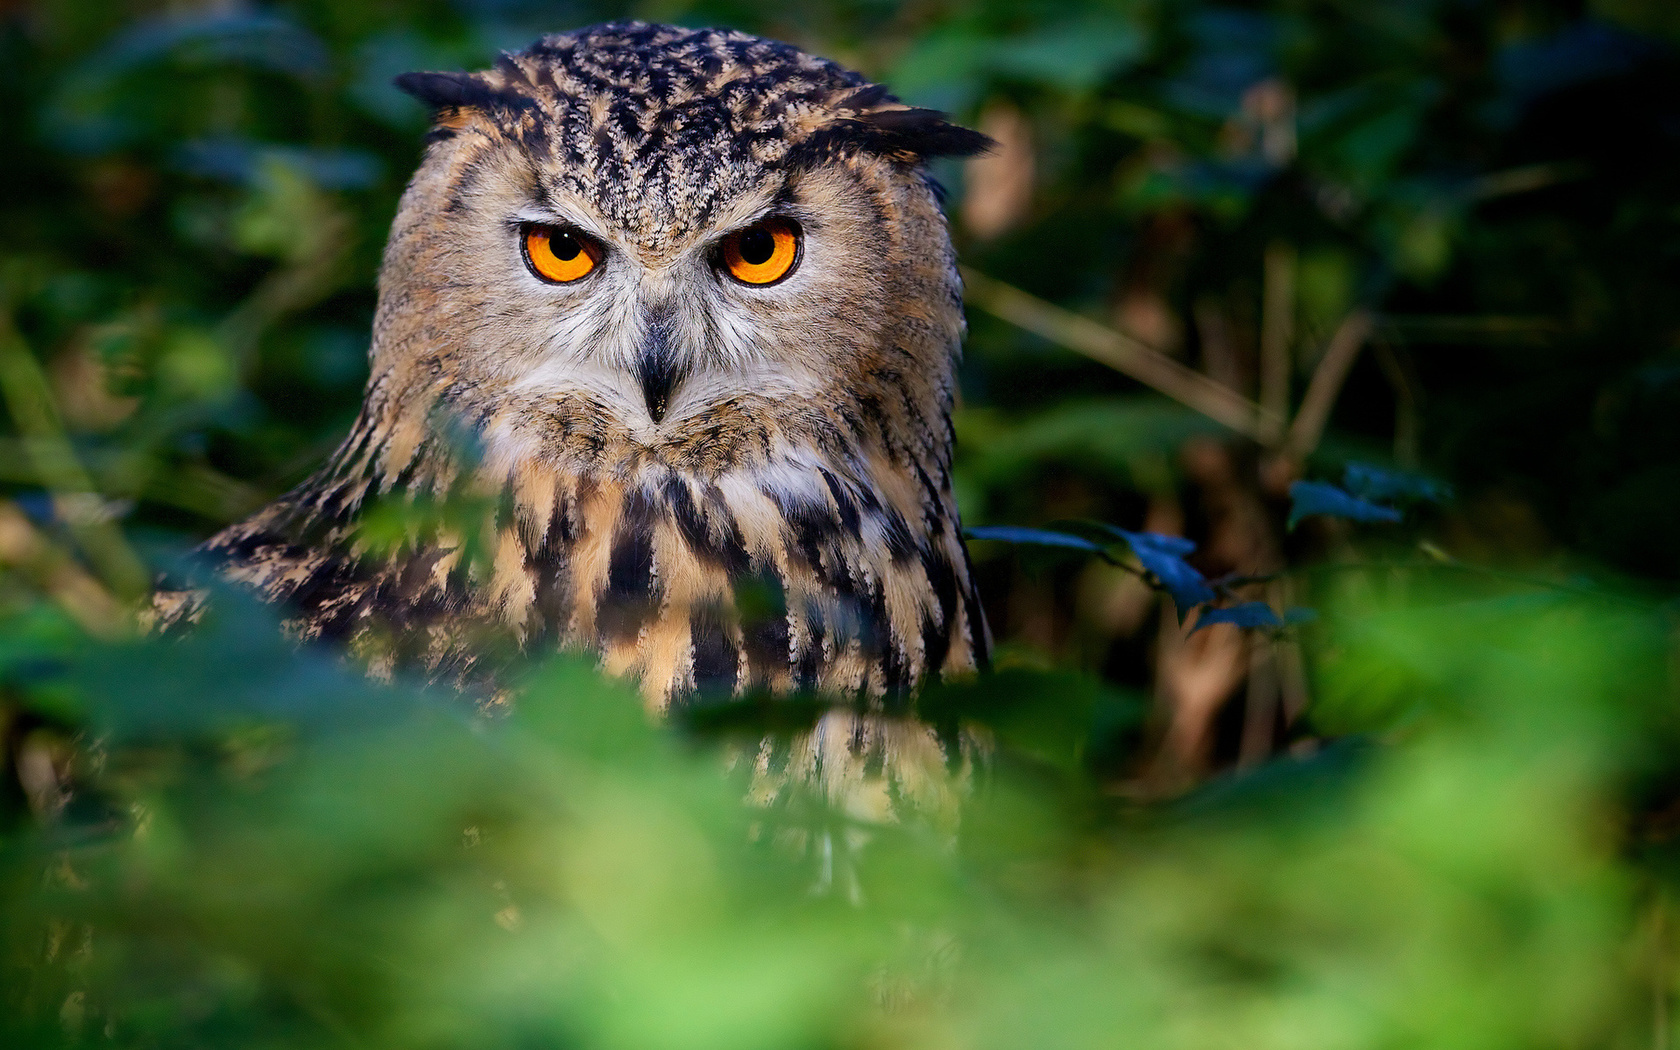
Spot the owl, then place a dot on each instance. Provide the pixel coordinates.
(662, 369)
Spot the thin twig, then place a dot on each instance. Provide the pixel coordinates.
(1526, 179)
(1406, 390)
(1122, 353)
(204, 491)
(1326, 384)
(1277, 331)
(190, 486)
(23, 547)
(1260, 706)
(312, 270)
(29, 400)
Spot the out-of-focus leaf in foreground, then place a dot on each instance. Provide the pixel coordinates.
(572, 874)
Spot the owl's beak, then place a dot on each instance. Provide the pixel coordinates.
(657, 367)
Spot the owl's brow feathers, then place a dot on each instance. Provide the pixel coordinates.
(868, 120)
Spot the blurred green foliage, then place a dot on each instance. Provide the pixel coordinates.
(1443, 813)
(304, 858)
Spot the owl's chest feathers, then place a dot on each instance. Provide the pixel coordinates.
(722, 564)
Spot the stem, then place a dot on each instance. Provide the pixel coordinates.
(1277, 331)
(1326, 384)
(1122, 353)
(29, 400)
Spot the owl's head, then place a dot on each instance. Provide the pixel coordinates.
(636, 231)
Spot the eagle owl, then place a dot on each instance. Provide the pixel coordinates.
(679, 310)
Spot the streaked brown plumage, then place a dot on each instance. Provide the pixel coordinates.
(713, 486)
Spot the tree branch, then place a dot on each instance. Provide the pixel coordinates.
(1123, 354)
(1326, 384)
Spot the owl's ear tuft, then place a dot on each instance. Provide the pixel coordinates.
(900, 132)
(926, 133)
(449, 93)
(444, 90)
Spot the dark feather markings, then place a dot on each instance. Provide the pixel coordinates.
(466, 180)
(404, 481)
(507, 512)
(551, 582)
(412, 597)
(322, 589)
(809, 660)
(900, 543)
(873, 416)
(811, 524)
(716, 659)
(929, 489)
(603, 143)
(844, 504)
(936, 637)
(630, 570)
(761, 605)
(880, 646)
(534, 136)
(355, 449)
(629, 599)
(240, 550)
(717, 540)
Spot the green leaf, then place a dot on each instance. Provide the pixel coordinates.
(1308, 498)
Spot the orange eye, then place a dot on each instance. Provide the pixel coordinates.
(560, 255)
(764, 253)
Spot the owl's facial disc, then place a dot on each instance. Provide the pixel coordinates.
(781, 291)
(669, 330)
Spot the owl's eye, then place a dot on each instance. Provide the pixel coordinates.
(763, 253)
(560, 255)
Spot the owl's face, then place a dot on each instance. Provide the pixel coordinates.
(774, 290)
(641, 228)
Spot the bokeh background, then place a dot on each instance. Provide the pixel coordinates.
(1221, 248)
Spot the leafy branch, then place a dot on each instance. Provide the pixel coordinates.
(1160, 560)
